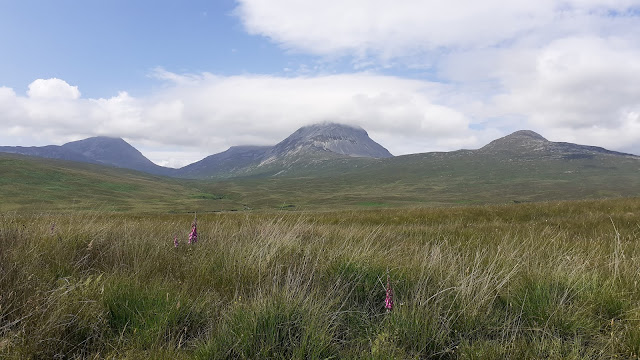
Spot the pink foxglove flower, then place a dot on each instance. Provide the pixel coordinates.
(388, 301)
(193, 235)
(175, 241)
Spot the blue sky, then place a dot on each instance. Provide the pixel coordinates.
(109, 46)
(184, 79)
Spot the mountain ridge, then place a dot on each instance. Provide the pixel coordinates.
(309, 150)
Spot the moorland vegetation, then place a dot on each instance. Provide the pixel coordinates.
(552, 280)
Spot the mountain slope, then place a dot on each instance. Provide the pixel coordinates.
(224, 164)
(319, 148)
(518, 168)
(36, 184)
(335, 150)
(330, 137)
(304, 149)
(308, 150)
(435, 179)
(528, 143)
(115, 152)
(96, 150)
(49, 152)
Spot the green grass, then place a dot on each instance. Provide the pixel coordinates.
(422, 180)
(33, 184)
(554, 280)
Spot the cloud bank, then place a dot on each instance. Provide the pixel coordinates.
(568, 69)
(203, 113)
(407, 27)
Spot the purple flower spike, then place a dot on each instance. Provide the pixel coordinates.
(175, 241)
(388, 301)
(193, 235)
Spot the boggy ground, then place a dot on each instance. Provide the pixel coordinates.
(545, 280)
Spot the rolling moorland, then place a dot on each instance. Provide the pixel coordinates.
(523, 249)
(311, 171)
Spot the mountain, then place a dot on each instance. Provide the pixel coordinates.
(301, 172)
(329, 137)
(96, 150)
(312, 148)
(526, 143)
(49, 152)
(329, 149)
(226, 163)
(115, 152)
(308, 149)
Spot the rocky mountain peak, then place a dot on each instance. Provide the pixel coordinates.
(523, 134)
(330, 137)
(519, 141)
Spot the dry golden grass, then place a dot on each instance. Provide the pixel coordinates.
(547, 280)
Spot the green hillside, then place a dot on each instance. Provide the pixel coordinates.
(432, 179)
(35, 184)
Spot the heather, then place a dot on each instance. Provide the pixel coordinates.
(552, 280)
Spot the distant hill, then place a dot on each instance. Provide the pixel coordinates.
(49, 152)
(37, 184)
(115, 152)
(307, 146)
(96, 150)
(305, 149)
(330, 149)
(531, 144)
(225, 164)
(329, 137)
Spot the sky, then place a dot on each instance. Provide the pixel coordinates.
(181, 80)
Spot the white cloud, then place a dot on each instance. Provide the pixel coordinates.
(195, 115)
(585, 89)
(566, 68)
(54, 89)
(198, 114)
(409, 27)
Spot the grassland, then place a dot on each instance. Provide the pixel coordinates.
(439, 179)
(423, 180)
(552, 280)
(29, 184)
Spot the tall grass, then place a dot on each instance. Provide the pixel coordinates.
(549, 280)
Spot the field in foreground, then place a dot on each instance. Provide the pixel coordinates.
(546, 280)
